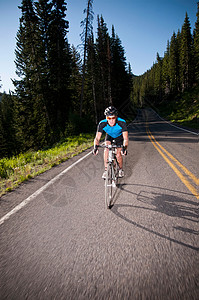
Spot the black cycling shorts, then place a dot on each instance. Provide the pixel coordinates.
(118, 140)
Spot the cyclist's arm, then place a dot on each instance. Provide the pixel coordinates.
(126, 139)
(97, 138)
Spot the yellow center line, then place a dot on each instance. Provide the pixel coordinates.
(178, 173)
(192, 176)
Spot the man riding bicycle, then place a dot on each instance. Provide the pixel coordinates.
(116, 130)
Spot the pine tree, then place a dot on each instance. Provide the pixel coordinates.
(43, 11)
(174, 64)
(43, 63)
(75, 79)
(103, 63)
(59, 60)
(186, 52)
(26, 68)
(92, 72)
(196, 45)
(178, 45)
(158, 78)
(165, 70)
(86, 34)
(119, 74)
(130, 79)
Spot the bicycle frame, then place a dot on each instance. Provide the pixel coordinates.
(112, 161)
(112, 173)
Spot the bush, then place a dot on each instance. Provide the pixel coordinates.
(5, 169)
(3, 172)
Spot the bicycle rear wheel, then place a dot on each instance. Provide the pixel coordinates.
(108, 187)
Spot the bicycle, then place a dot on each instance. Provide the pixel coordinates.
(112, 173)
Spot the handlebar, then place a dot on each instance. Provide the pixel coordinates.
(111, 146)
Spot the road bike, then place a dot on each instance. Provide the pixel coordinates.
(112, 173)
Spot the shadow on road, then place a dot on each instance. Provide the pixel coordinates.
(167, 204)
(162, 133)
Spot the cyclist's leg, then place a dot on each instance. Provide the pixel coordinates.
(119, 141)
(108, 140)
(119, 157)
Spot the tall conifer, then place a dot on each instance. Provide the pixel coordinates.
(174, 64)
(196, 45)
(165, 70)
(186, 52)
(59, 59)
(26, 68)
(158, 78)
(86, 34)
(119, 73)
(75, 79)
(103, 60)
(92, 74)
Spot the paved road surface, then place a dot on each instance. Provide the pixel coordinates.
(64, 244)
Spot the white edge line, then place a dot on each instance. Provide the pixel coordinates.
(175, 125)
(35, 194)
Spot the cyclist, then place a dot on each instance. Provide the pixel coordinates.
(116, 130)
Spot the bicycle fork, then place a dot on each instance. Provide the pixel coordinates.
(113, 176)
(112, 163)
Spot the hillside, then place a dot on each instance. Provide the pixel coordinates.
(182, 109)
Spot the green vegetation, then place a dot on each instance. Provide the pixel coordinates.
(23, 167)
(172, 84)
(55, 86)
(183, 109)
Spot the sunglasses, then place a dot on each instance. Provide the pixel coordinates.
(111, 118)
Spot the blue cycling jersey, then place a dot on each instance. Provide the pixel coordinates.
(114, 131)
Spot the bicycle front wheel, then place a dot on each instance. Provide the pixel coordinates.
(116, 172)
(108, 187)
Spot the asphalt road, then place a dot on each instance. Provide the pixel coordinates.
(64, 244)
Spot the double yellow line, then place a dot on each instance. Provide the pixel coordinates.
(166, 155)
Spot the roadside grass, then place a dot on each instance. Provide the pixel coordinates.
(20, 168)
(183, 110)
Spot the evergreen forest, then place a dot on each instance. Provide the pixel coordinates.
(62, 91)
(171, 86)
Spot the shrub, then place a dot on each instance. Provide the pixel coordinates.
(3, 171)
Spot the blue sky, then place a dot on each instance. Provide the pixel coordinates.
(144, 26)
